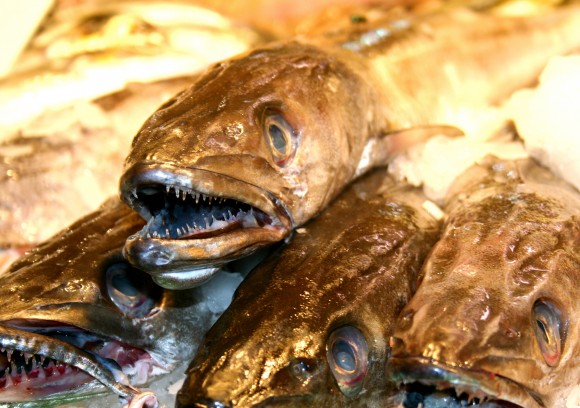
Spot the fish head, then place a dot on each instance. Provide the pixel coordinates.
(311, 324)
(495, 317)
(255, 147)
(301, 360)
(75, 316)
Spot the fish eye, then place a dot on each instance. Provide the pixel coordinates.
(280, 136)
(549, 330)
(132, 291)
(347, 355)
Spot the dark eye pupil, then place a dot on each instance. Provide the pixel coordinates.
(277, 138)
(543, 329)
(123, 285)
(344, 355)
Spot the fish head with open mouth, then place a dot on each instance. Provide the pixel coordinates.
(257, 146)
(73, 311)
(495, 320)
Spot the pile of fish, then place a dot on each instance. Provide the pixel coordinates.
(360, 289)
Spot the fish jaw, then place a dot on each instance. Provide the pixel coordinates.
(40, 368)
(197, 219)
(473, 385)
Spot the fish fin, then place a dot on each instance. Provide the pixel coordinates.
(379, 151)
(401, 140)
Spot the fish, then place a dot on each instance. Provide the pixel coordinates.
(78, 322)
(263, 142)
(495, 319)
(310, 325)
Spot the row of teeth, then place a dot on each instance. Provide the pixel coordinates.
(35, 361)
(248, 219)
(180, 192)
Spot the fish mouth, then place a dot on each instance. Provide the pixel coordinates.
(50, 361)
(423, 377)
(197, 218)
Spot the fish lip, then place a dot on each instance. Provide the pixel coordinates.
(476, 382)
(201, 246)
(18, 335)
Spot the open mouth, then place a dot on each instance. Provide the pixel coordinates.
(186, 204)
(430, 383)
(41, 359)
(174, 212)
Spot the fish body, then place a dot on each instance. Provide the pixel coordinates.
(328, 298)
(77, 321)
(261, 143)
(496, 315)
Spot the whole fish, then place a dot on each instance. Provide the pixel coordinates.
(311, 324)
(77, 321)
(261, 143)
(496, 317)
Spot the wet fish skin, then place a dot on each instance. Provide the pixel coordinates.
(339, 106)
(352, 267)
(506, 268)
(75, 299)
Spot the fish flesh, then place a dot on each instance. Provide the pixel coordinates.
(310, 325)
(495, 319)
(261, 143)
(77, 321)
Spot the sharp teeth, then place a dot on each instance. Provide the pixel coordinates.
(134, 192)
(9, 382)
(204, 197)
(230, 215)
(167, 232)
(177, 191)
(188, 227)
(9, 354)
(27, 357)
(206, 223)
(13, 368)
(184, 195)
(167, 188)
(196, 198)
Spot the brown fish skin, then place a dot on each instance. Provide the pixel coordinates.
(352, 268)
(334, 106)
(502, 282)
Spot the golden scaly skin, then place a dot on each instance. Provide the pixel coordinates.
(478, 321)
(340, 104)
(353, 266)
